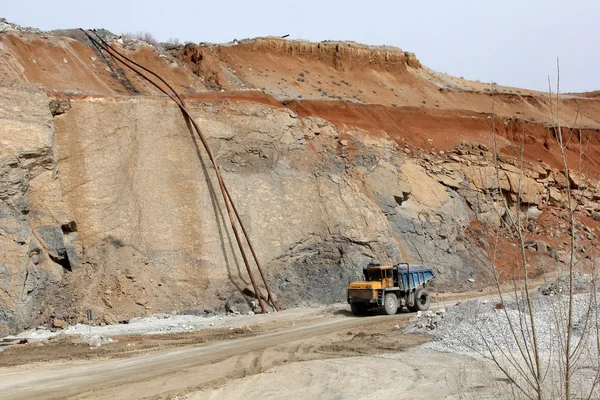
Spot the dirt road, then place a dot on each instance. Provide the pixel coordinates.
(307, 353)
(182, 369)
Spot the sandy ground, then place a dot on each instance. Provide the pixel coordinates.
(408, 375)
(301, 353)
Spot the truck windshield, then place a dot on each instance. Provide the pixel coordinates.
(374, 275)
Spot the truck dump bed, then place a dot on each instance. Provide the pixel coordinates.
(410, 277)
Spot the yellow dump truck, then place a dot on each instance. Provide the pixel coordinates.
(390, 288)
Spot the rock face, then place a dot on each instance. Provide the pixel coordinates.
(318, 218)
(110, 206)
(34, 222)
(127, 174)
(489, 190)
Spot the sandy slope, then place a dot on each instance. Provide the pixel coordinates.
(397, 376)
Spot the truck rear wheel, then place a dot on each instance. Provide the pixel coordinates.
(358, 309)
(391, 304)
(422, 300)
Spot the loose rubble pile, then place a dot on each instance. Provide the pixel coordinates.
(429, 320)
(6, 26)
(470, 170)
(479, 326)
(504, 189)
(582, 283)
(97, 336)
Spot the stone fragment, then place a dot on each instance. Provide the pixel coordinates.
(52, 240)
(560, 179)
(59, 323)
(545, 166)
(555, 196)
(109, 319)
(238, 303)
(492, 217)
(107, 302)
(448, 181)
(59, 106)
(141, 301)
(577, 181)
(528, 189)
(533, 212)
(541, 246)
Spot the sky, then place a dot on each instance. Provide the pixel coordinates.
(514, 43)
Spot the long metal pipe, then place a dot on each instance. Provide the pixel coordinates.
(224, 191)
(182, 103)
(269, 295)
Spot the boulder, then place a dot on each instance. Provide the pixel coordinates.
(560, 179)
(52, 240)
(547, 168)
(109, 319)
(536, 171)
(555, 196)
(238, 303)
(541, 246)
(528, 189)
(450, 181)
(486, 178)
(508, 159)
(492, 218)
(59, 106)
(59, 323)
(563, 256)
(73, 248)
(511, 168)
(533, 212)
(577, 181)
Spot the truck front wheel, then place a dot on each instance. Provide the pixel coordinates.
(391, 304)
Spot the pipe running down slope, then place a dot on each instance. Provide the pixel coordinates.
(229, 204)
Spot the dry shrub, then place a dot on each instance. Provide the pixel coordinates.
(71, 33)
(141, 36)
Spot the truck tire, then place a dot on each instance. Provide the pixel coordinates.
(390, 304)
(422, 300)
(358, 309)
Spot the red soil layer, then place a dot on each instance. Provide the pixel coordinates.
(59, 63)
(448, 128)
(368, 75)
(65, 64)
(181, 79)
(205, 65)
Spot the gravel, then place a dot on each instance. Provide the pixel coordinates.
(561, 285)
(481, 329)
(155, 324)
(473, 326)
(6, 26)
